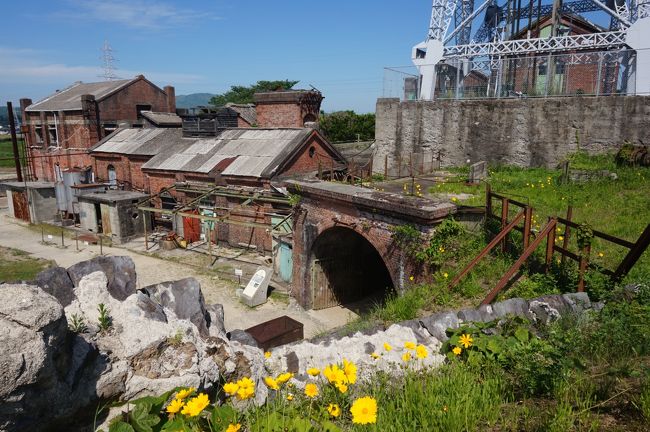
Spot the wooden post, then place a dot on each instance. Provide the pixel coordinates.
(62, 243)
(550, 242)
(144, 224)
(584, 262)
(633, 255)
(101, 244)
(386, 167)
(504, 222)
(210, 242)
(528, 220)
(567, 231)
(76, 240)
(42, 234)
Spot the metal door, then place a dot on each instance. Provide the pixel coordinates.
(323, 295)
(21, 209)
(285, 257)
(192, 228)
(106, 220)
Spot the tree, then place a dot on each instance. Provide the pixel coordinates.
(244, 94)
(342, 126)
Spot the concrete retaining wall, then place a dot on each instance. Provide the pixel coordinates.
(523, 132)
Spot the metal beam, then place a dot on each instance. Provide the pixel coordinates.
(204, 217)
(467, 20)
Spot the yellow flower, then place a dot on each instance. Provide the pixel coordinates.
(341, 387)
(445, 275)
(175, 406)
(233, 427)
(374, 355)
(267, 354)
(560, 238)
(600, 254)
(185, 393)
(334, 374)
(457, 350)
(271, 383)
(364, 410)
(283, 378)
(311, 390)
(409, 345)
(313, 371)
(406, 356)
(466, 340)
(289, 397)
(387, 346)
(195, 405)
(411, 278)
(246, 388)
(230, 388)
(454, 199)
(558, 229)
(421, 352)
(334, 410)
(350, 370)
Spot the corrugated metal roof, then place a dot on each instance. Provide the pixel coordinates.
(70, 98)
(245, 111)
(145, 142)
(255, 152)
(162, 118)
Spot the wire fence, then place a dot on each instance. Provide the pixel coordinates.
(594, 73)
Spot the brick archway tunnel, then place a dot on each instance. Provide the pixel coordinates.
(343, 247)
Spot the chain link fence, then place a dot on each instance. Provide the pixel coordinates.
(542, 75)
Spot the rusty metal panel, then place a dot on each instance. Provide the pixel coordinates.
(192, 228)
(21, 208)
(276, 332)
(323, 295)
(106, 220)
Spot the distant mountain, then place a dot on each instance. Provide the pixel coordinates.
(193, 100)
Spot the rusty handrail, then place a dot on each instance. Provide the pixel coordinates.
(550, 226)
(496, 240)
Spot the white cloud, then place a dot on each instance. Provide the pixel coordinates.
(140, 14)
(24, 67)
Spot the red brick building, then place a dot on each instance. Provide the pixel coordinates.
(60, 128)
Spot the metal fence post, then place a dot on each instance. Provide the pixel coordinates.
(62, 242)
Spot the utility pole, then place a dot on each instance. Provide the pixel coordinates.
(14, 141)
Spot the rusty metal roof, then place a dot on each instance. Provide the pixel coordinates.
(145, 142)
(243, 152)
(69, 99)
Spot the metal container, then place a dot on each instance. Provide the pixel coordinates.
(61, 196)
(276, 332)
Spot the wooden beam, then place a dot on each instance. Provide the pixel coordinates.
(633, 255)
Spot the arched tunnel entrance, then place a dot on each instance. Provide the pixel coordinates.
(345, 268)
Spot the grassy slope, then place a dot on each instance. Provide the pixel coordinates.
(6, 151)
(16, 265)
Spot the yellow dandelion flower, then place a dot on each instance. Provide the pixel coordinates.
(466, 340)
(271, 383)
(350, 371)
(182, 394)
(421, 352)
(313, 371)
(364, 410)
(196, 405)
(233, 427)
(341, 387)
(283, 378)
(387, 346)
(334, 410)
(409, 345)
(445, 275)
(334, 374)
(175, 406)
(267, 354)
(311, 390)
(230, 388)
(246, 388)
(406, 356)
(289, 397)
(457, 350)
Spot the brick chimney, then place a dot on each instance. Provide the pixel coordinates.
(287, 108)
(171, 98)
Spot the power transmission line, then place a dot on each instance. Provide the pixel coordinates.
(108, 62)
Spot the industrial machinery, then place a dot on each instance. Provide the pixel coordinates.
(466, 37)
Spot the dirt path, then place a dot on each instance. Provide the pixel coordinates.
(152, 270)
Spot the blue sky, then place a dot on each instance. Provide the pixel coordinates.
(338, 46)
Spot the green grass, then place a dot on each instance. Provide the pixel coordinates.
(7, 153)
(17, 265)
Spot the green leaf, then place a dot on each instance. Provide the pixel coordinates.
(522, 334)
(495, 345)
(176, 424)
(328, 426)
(120, 427)
(475, 358)
(301, 424)
(223, 415)
(141, 417)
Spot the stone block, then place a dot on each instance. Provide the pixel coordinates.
(56, 282)
(477, 172)
(513, 306)
(438, 323)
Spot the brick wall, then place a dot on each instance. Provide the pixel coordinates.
(308, 160)
(122, 104)
(43, 162)
(279, 115)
